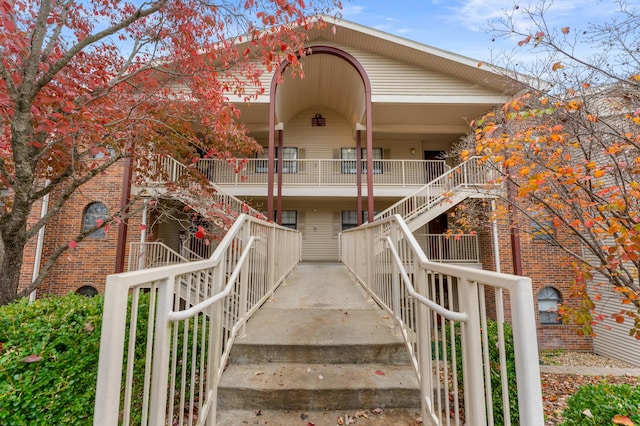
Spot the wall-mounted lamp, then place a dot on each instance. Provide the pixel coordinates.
(318, 121)
(412, 151)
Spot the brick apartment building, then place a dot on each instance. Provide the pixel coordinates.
(368, 98)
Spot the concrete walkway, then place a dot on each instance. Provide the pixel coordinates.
(589, 371)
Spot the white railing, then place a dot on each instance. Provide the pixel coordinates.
(173, 170)
(455, 183)
(153, 254)
(446, 314)
(167, 332)
(454, 248)
(320, 173)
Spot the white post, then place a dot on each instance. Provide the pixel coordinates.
(395, 284)
(244, 277)
(526, 353)
(472, 371)
(496, 242)
(107, 404)
(161, 350)
(39, 244)
(423, 329)
(215, 343)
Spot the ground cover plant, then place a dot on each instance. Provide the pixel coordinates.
(604, 404)
(49, 360)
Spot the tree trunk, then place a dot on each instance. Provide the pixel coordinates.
(11, 258)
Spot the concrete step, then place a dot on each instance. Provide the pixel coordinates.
(279, 386)
(340, 336)
(388, 417)
(318, 346)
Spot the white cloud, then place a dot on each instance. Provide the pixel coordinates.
(349, 11)
(476, 15)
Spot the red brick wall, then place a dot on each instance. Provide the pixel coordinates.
(94, 258)
(546, 265)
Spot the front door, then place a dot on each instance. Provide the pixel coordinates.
(433, 168)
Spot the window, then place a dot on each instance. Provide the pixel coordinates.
(87, 290)
(542, 231)
(365, 215)
(548, 300)
(349, 160)
(289, 219)
(93, 214)
(349, 219)
(542, 228)
(100, 152)
(289, 163)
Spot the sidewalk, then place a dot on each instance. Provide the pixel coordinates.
(589, 371)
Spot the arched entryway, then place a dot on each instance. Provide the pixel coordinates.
(319, 89)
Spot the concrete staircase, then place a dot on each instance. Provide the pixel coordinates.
(317, 351)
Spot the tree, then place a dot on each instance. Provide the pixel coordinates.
(570, 149)
(85, 85)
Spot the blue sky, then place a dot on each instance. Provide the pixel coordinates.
(460, 26)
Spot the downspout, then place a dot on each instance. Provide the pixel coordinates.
(496, 243)
(36, 263)
(516, 252)
(122, 227)
(143, 238)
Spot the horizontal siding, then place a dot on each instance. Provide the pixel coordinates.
(318, 142)
(612, 339)
(169, 234)
(321, 219)
(322, 143)
(392, 77)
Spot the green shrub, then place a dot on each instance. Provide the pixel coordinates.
(494, 362)
(598, 404)
(58, 386)
(496, 381)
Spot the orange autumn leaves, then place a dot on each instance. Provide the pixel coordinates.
(574, 161)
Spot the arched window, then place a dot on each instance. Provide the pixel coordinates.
(87, 290)
(92, 215)
(548, 300)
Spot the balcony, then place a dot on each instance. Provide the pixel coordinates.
(458, 248)
(322, 173)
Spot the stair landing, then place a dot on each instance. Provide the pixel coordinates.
(317, 351)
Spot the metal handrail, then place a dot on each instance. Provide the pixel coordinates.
(389, 263)
(448, 314)
(200, 307)
(467, 175)
(173, 170)
(194, 311)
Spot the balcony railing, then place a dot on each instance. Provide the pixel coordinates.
(450, 248)
(322, 172)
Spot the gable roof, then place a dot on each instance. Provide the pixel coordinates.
(416, 89)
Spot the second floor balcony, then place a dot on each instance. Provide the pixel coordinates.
(390, 177)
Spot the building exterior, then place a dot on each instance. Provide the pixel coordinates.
(368, 125)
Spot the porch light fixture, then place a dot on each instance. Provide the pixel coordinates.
(412, 151)
(318, 121)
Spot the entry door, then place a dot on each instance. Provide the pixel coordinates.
(433, 170)
(438, 247)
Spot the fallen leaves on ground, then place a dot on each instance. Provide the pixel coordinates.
(557, 388)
